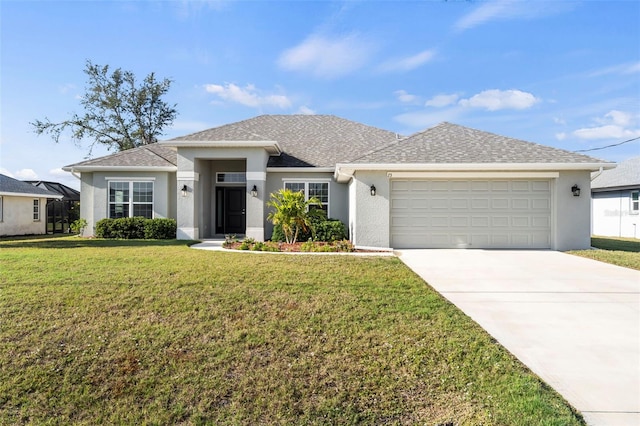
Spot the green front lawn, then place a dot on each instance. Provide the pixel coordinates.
(618, 251)
(129, 332)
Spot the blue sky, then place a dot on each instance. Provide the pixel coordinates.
(559, 73)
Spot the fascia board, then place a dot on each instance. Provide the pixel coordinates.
(270, 146)
(432, 167)
(26, 194)
(300, 169)
(81, 169)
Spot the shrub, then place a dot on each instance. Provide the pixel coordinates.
(160, 229)
(329, 230)
(78, 225)
(129, 228)
(320, 229)
(291, 211)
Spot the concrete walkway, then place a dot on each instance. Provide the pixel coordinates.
(575, 322)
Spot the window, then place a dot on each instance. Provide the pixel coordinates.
(36, 209)
(231, 177)
(320, 190)
(634, 208)
(1, 209)
(130, 199)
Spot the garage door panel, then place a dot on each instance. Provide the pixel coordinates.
(480, 203)
(500, 203)
(482, 213)
(439, 203)
(520, 204)
(459, 203)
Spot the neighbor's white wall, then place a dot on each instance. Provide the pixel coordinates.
(370, 221)
(17, 216)
(611, 215)
(572, 230)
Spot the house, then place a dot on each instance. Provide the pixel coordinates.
(22, 207)
(615, 202)
(61, 212)
(449, 186)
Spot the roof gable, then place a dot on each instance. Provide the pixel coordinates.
(627, 173)
(152, 155)
(449, 143)
(305, 140)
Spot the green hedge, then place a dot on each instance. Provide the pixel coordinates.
(136, 228)
(322, 229)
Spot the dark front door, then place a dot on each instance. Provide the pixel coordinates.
(230, 211)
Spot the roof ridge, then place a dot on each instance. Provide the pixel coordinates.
(161, 156)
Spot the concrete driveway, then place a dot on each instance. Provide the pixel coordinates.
(575, 322)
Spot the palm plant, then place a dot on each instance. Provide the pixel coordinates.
(292, 212)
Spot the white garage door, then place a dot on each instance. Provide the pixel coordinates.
(470, 213)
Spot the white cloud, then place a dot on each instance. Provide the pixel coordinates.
(494, 100)
(440, 101)
(327, 57)
(613, 125)
(249, 95)
(608, 131)
(619, 118)
(59, 173)
(6, 172)
(305, 110)
(26, 174)
(561, 136)
(404, 96)
(409, 63)
(559, 120)
(509, 10)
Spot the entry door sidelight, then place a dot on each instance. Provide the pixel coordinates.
(231, 210)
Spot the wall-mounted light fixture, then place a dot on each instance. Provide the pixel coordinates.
(185, 190)
(254, 191)
(373, 190)
(575, 189)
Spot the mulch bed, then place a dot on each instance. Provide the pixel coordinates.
(296, 247)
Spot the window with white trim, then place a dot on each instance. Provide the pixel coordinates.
(634, 208)
(36, 209)
(130, 199)
(317, 189)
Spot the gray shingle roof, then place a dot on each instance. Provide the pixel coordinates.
(11, 185)
(451, 143)
(153, 155)
(306, 140)
(627, 173)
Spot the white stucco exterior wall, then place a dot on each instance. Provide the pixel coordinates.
(369, 216)
(612, 216)
(17, 216)
(94, 194)
(195, 172)
(369, 221)
(572, 215)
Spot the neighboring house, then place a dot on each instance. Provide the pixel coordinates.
(22, 207)
(449, 186)
(615, 202)
(61, 212)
